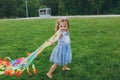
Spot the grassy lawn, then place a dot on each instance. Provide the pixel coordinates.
(95, 47)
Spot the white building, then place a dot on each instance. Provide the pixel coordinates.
(44, 12)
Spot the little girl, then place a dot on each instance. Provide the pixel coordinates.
(61, 54)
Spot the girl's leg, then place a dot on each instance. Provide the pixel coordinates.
(52, 69)
(65, 67)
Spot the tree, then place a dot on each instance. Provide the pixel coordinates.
(2, 8)
(115, 6)
(7, 8)
(53, 4)
(96, 5)
(33, 6)
(61, 8)
(20, 8)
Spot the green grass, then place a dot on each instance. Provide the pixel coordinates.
(95, 47)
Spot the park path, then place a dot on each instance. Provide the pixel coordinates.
(84, 16)
(76, 16)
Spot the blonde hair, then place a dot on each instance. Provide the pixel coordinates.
(59, 21)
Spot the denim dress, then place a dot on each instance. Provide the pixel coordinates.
(62, 54)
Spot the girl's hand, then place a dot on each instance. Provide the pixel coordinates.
(52, 42)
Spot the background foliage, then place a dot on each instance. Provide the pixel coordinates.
(16, 8)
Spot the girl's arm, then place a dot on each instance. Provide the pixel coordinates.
(56, 38)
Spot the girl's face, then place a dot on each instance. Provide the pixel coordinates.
(63, 26)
